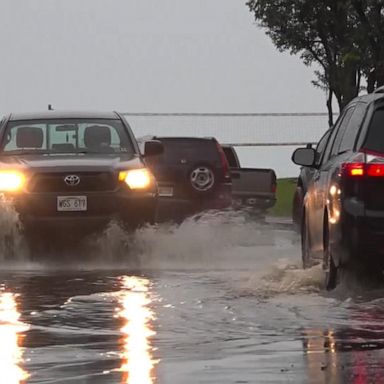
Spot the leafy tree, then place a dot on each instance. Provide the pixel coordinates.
(344, 37)
(369, 15)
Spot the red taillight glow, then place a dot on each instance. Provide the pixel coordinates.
(357, 172)
(224, 161)
(362, 169)
(354, 169)
(375, 170)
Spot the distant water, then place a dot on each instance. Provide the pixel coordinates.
(242, 129)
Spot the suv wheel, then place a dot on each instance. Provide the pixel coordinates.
(331, 271)
(297, 208)
(305, 244)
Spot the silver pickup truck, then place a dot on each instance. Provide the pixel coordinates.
(251, 187)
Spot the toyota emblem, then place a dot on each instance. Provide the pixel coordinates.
(72, 180)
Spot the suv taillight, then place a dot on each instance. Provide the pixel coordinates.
(224, 161)
(375, 170)
(363, 169)
(354, 169)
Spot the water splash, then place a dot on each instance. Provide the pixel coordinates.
(212, 240)
(284, 277)
(11, 241)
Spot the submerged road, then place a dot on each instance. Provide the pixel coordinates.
(216, 300)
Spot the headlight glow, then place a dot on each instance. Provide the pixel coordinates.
(11, 181)
(136, 178)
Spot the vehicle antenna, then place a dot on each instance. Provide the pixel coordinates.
(50, 108)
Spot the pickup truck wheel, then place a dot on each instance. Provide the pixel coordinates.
(36, 247)
(9, 247)
(202, 179)
(141, 217)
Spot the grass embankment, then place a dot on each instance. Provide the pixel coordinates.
(285, 191)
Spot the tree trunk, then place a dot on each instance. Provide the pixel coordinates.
(339, 98)
(350, 88)
(329, 107)
(371, 81)
(358, 85)
(380, 74)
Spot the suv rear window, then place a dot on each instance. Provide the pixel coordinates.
(231, 157)
(188, 149)
(375, 137)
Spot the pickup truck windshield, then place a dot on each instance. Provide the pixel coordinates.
(66, 136)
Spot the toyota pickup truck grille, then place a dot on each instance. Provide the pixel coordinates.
(65, 182)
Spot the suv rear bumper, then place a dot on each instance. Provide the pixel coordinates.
(178, 208)
(363, 234)
(368, 232)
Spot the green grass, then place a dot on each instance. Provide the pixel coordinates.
(285, 191)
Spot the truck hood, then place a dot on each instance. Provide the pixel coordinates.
(71, 162)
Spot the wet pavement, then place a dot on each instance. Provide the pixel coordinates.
(218, 299)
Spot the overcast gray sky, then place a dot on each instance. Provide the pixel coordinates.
(146, 55)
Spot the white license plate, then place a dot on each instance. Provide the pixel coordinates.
(166, 191)
(71, 203)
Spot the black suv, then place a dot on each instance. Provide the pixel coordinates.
(74, 172)
(192, 175)
(343, 210)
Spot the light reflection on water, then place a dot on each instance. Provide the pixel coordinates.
(11, 338)
(321, 356)
(137, 360)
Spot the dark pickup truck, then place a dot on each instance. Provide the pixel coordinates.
(251, 187)
(74, 172)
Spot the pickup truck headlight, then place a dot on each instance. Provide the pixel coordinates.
(136, 178)
(11, 181)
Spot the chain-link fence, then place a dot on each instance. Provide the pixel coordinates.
(265, 140)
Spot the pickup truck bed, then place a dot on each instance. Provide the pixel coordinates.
(251, 187)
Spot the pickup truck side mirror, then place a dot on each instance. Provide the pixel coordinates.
(153, 148)
(304, 156)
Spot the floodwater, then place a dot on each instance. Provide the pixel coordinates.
(218, 299)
